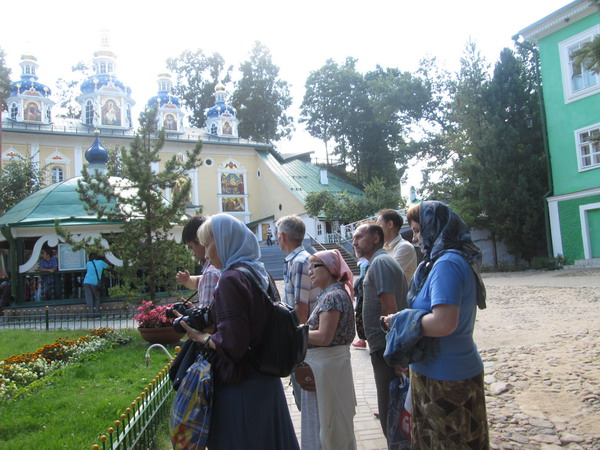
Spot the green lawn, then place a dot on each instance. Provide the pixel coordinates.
(15, 342)
(79, 403)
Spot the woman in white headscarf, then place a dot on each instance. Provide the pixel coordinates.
(249, 409)
(328, 413)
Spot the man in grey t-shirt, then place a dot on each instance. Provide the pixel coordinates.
(384, 293)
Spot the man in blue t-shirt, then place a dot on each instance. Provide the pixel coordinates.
(91, 282)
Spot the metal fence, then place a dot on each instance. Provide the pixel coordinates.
(70, 318)
(137, 427)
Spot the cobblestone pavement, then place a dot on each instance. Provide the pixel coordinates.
(540, 342)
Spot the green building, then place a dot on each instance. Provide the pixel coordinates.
(572, 104)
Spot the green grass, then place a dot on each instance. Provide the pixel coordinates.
(77, 404)
(15, 342)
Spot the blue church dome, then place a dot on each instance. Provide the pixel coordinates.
(96, 154)
(98, 81)
(29, 83)
(220, 109)
(164, 98)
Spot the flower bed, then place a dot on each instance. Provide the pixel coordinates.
(19, 371)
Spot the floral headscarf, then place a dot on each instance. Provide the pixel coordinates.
(443, 231)
(336, 265)
(237, 244)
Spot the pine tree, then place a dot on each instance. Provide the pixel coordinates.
(145, 245)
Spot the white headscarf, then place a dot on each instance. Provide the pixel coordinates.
(237, 244)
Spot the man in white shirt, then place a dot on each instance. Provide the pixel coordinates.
(401, 250)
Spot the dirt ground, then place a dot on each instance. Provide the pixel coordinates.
(540, 341)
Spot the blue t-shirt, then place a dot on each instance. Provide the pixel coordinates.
(452, 281)
(90, 275)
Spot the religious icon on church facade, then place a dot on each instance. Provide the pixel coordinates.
(232, 183)
(233, 204)
(179, 184)
(33, 112)
(111, 113)
(170, 123)
(227, 130)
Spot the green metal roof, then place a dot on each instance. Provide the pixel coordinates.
(302, 177)
(57, 201)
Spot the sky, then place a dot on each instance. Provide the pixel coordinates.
(300, 35)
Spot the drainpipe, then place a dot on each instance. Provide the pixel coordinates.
(521, 42)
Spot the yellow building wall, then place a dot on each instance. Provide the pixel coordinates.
(265, 193)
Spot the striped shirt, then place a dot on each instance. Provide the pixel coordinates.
(207, 284)
(298, 287)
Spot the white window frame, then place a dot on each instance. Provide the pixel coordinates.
(566, 68)
(595, 148)
(57, 174)
(14, 111)
(88, 113)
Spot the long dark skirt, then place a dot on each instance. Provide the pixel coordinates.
(448, 414)
(252, 415)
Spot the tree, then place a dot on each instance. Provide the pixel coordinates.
(197, 76)
(366, 116)
(20, 178)
(67, 91)
(330, 100)
(347, 209)
(144, 244)
(262, 99)
(4, 80)
(512, 155)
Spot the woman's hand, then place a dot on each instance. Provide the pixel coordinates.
(194, 335)
(388, 321)
(197, 335)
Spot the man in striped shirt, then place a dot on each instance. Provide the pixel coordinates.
(299, 291)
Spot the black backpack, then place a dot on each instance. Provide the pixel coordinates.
(285, 340)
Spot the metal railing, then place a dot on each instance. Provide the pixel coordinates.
(71, 318)
(314, 241)
(137, 427)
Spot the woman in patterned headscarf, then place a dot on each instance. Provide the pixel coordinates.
(448, 400)
(328, 413)
(249, 409)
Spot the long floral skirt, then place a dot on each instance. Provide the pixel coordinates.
(448, 414)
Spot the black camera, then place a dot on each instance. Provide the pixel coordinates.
(197, 318)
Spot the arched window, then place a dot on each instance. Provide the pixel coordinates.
(102, 67)
(89, 113)
(110, 68)
(57, 174)
(49, 114)
(213, 129)
(14, 111)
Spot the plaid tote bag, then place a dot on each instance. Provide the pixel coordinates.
(192, 407)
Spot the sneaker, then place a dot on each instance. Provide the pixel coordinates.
(359, 344)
